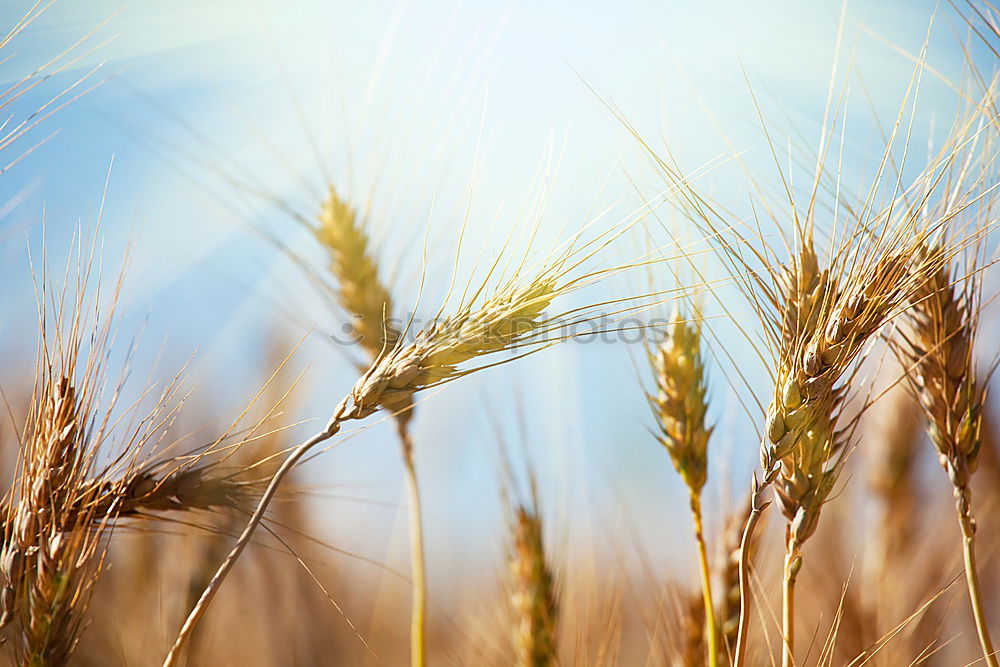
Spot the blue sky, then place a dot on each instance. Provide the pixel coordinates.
(417, 109)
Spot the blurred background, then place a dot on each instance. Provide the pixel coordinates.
(210, 119)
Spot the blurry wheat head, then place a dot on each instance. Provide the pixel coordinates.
(892, 438)
(533, 596)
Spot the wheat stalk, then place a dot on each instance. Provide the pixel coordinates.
(53, 551)
(680, 405)
(729, 609)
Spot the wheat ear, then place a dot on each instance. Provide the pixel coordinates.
(533, 596)
(364, 296)
(510, 317)
(680, 405)
(360, 289)
(826, 320)
(49, 551)
(939, 347)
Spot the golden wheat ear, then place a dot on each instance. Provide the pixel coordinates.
(55, 539)
(938, 350)
(360, 289)
(680, 403)
(50, 554)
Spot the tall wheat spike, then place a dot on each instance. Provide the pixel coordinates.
(803, 452)
(943, 376)
(360, 289)
(680, 404)
(366, 299)
(53, 547)
(533, 596)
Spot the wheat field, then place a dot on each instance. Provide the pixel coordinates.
(533, 334)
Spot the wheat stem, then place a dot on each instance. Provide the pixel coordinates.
(793, 563)
(418, 572)
(332, 427)
(975, 591)
(757, 507)
(706, 582)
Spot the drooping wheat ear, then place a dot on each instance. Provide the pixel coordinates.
(810, 400)
(169, 486)
(680, 404)
(943, 376)
(513, 315)
(51, 553)
(533, 595)
(359, 287)
(509, 317)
